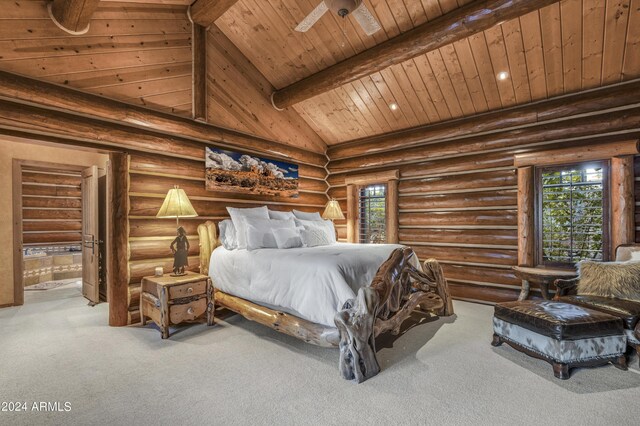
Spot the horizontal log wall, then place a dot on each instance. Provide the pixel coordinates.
(152, 175)
(458, 195)
(162, 150)
(51, 207)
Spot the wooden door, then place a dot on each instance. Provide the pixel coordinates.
(90, 235)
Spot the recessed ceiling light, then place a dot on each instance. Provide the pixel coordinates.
(503, 75)
(393, 106)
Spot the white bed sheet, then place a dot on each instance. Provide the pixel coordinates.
(312, 282)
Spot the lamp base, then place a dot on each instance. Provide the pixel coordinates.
(178, 275)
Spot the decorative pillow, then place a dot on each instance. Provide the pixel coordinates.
(260, 232)
(280, 215)
(237, 216)
(306, 216)
(610, 279)
(287, 238)
(313, 236)
(325, 225)
(228, 237)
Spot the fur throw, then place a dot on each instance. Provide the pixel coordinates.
(610, 279)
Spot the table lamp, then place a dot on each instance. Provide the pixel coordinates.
(176, 204)
(333, 211)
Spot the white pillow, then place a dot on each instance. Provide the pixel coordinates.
(280, 215)
(307, 216)
(228, 236)
(238, 216)
(260, 232)
(325, 225)
(313, 236)
(287, 238)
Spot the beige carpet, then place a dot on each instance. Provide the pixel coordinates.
(57, 349)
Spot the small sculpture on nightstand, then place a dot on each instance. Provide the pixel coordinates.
(180, 250)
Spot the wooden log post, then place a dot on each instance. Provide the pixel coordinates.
(352, 213)
(72, 16)
(526, 216)
(392, 211)
(622, 201)
(118, 241)
(459, 24)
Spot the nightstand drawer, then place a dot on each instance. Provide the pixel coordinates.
(188, 311)
(187, 290)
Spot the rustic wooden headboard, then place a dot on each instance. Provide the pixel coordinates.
(208, 242)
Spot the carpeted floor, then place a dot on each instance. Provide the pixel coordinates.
(57, 349)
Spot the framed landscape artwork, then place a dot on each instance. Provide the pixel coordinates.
(229, 171)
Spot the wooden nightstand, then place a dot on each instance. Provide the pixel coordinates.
(171, 300)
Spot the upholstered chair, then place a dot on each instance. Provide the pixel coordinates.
(600, 293)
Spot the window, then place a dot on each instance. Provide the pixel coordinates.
(572, 213)
(372, 206)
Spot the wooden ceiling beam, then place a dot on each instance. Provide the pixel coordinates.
(72, 16)
(199, 72)
(205, 12)
(19, 89)
(447, 29)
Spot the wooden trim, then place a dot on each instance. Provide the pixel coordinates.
(199, 72)
(118, 239)
(372, 178)
(456, 25)
(622, 201)
(526, 217)
(572, 155)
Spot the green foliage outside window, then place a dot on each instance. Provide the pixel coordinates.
(572, 207)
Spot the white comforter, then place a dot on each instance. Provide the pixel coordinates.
(312, 283)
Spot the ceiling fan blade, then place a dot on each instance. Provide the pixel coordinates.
(366, 20)
(312, 18)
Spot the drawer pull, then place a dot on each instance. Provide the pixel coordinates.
(190, 311)
(190, 290)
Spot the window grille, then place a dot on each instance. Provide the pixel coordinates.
(572, 214)
(372, 206)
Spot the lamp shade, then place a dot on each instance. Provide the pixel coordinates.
(332, 210)
(176, 204)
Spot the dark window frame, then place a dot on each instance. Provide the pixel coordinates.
(606, 206)
(361, 189)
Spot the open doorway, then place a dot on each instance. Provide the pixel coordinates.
(60, 227)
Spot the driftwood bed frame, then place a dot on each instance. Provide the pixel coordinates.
(397, 290)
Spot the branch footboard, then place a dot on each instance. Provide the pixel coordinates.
(397, 289)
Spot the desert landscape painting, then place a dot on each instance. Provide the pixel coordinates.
(229, 171)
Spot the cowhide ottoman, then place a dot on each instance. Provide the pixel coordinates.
(564, 335)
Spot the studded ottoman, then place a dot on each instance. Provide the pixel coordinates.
(564, 335)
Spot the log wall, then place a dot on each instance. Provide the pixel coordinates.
(162, 150)
(458, 183)
(152, 175)
(51, 207)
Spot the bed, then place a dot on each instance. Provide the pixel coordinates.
(341, 295)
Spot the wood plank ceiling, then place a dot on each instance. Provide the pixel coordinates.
(138, 53)
(566, 47)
